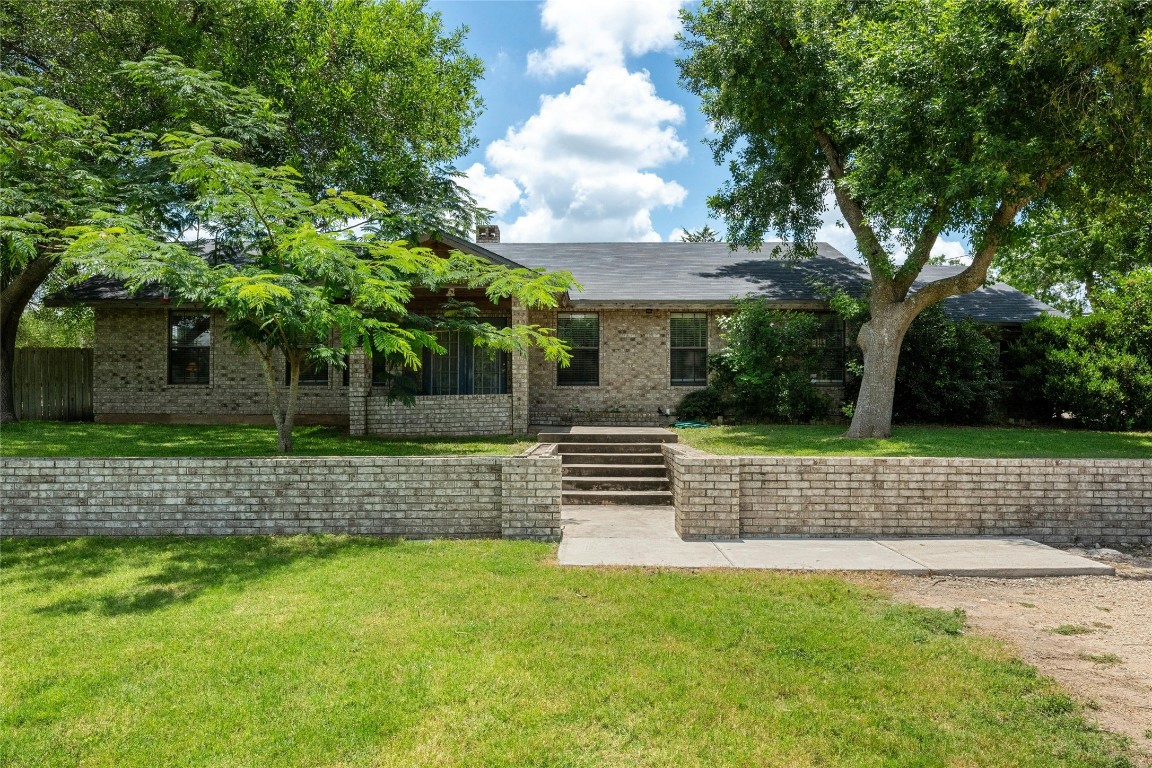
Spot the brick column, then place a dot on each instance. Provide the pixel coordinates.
(530, 495)
(359, 387)
(519, 377)
(705, 492)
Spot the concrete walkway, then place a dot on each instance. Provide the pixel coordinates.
(646, 536)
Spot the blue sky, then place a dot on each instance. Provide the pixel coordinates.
(587, 134)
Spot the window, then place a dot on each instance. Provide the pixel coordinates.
(689, 343)
(313, 373)
(189, 347)
(831, 341)
(582, 333)
(462, 370)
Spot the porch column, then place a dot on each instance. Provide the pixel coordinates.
(359, 387)
(519, 377)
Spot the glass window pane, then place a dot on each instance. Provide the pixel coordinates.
(582, 332)
(189, 347)
(689, 367)
(690, 330)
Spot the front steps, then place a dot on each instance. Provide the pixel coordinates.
(612, 466)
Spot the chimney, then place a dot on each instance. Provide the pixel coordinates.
(488, 233)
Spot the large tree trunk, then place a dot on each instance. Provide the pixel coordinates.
(880, 339)
(14, 298)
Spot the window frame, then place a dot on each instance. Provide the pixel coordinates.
(310, 383)
(833, 330)
(585, 350)
(673, 348)
(174, 346)
(461, 363)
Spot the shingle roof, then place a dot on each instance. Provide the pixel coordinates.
(687, 272)
(678, 273)
(995, 303)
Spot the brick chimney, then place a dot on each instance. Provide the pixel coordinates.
(488, 233)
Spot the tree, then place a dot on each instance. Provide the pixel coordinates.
(919, 117)
(704, 235)
(378, 100)
(1096, 368)
(301, 278)
(1072, 249)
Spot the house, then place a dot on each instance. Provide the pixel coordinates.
(640, 327)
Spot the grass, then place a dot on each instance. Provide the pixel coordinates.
(968, 442)
(348, 651)
(1102, 658)
(1071, 629)
(56, 438)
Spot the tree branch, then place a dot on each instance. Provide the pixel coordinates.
(921, 251)
(874, 254)
(974, 275)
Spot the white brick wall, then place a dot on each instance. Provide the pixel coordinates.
(1104, 501)
(457, 497)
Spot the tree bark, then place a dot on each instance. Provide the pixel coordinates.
(270, 381)
(880, 339)
(289, 417)
(14, 298)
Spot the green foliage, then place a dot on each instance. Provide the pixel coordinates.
(704, 405)
(291, 273)
(766, 369)
(704, 235)
(949, 371)
(919, 117)
(1096, 368)
(56, 327)
(377, 97)
(1072, 249)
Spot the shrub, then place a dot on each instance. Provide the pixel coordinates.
(703, 404)
(949, 372)
(765, 371)
(1096, 368)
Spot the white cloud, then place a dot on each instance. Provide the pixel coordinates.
(595, 33)
(493, 191)
(953, 252)
(586, 161)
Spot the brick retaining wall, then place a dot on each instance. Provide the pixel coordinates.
(1106, 501)
(417, 497)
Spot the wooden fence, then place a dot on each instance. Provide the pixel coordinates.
(53, 384)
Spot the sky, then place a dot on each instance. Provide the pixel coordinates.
(586, 135)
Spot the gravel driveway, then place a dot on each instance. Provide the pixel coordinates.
(1093, 634)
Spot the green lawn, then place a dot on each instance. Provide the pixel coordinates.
(334, 651)
(56, 438)
(970, 442)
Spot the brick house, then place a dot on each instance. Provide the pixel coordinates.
(640, 328)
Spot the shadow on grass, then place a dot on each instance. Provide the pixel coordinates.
(172, 570)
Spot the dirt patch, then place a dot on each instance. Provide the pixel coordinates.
(1093, 634)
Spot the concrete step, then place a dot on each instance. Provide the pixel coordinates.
(649, 459)
(607, 448)
(615, 484)
(615, 470)
(661, 436)
(647, 498)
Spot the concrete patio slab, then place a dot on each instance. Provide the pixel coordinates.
(646, 536)
(994, 557)
(818, 555)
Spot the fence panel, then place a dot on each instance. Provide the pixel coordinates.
(53, 384)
